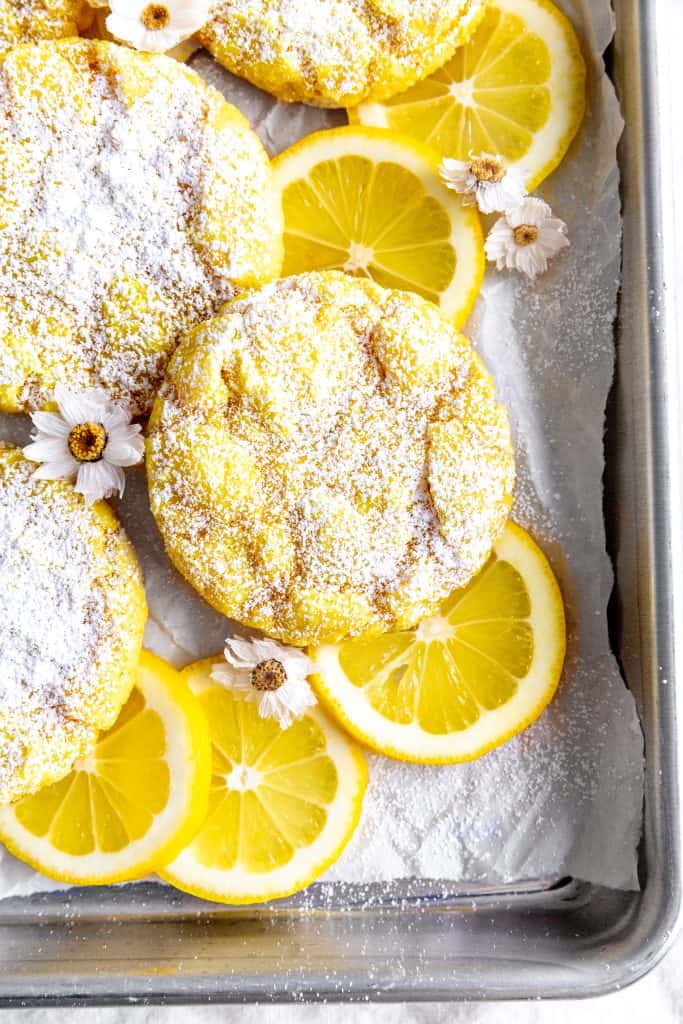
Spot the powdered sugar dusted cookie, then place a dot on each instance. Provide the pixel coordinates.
(337, 53)
(72, 614)
(327, 458)
(133, 201)
(30, 21)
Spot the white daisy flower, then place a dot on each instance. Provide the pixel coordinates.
(156, 26)
(485, 181)
(89, 438)
(269, 673)
(526, 237)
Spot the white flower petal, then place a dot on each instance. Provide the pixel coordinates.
(73, 407)
(190, 21)
(51, 423)
(162, 40)
(96, 480)
(240, 653)
(265, 650)
(531, 258)
(456, 175)
(499, 240)
(57, 469)
(530, 211)
(531, 261)
(236, 680)
(125, 22)
(298, 696)
(490, 196)
(552, 240)
(123, 452)
(113, 417)
(221, 673)
(47, 449)
(499, 196)
(290, 700)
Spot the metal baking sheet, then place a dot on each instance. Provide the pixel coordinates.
(552, 938)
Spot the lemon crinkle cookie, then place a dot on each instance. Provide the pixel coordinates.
(72, 614)
(327, 458)
(337, 53)
(134, 200)
(28, 21)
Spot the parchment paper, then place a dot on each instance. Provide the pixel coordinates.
(564, 798)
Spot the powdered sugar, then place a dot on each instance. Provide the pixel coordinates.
(23, 21)
(107, 252)
(335, 52)
(565, 797)
(344, 404)
(58, 627)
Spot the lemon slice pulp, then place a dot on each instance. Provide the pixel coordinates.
(463, 681)
(132, 803)
(283, 803)
(515, 90)
(367, 202)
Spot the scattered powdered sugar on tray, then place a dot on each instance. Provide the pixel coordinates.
(565, 797)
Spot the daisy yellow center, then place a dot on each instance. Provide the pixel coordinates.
(487, 168)
(525, 234)
(268, 675)
(87, 442)
(155, 17)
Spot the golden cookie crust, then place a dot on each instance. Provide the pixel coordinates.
(72, 615)
(31, 21)
(337, 53)
(133, 202)
(326, 458)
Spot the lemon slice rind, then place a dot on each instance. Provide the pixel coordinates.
(239, 886)
(188, 756)
(408, 742)
(566, 85)
(466, 237)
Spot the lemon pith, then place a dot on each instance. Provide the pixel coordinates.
(465, 680)
(131, 804)
(516, 89)
(283, 803)
(369, 202)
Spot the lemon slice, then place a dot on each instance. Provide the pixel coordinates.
(283, 804)
(131, 804)
(466, 679)
(367, 202)
(516, 90)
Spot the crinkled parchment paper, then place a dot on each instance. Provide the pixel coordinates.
(565, 797)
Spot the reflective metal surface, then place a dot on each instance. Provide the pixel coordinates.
(556, 938)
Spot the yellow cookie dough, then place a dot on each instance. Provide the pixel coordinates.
(72, 614)
(29, 21)
(337, 53)
(133, 201)
(327, 458)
